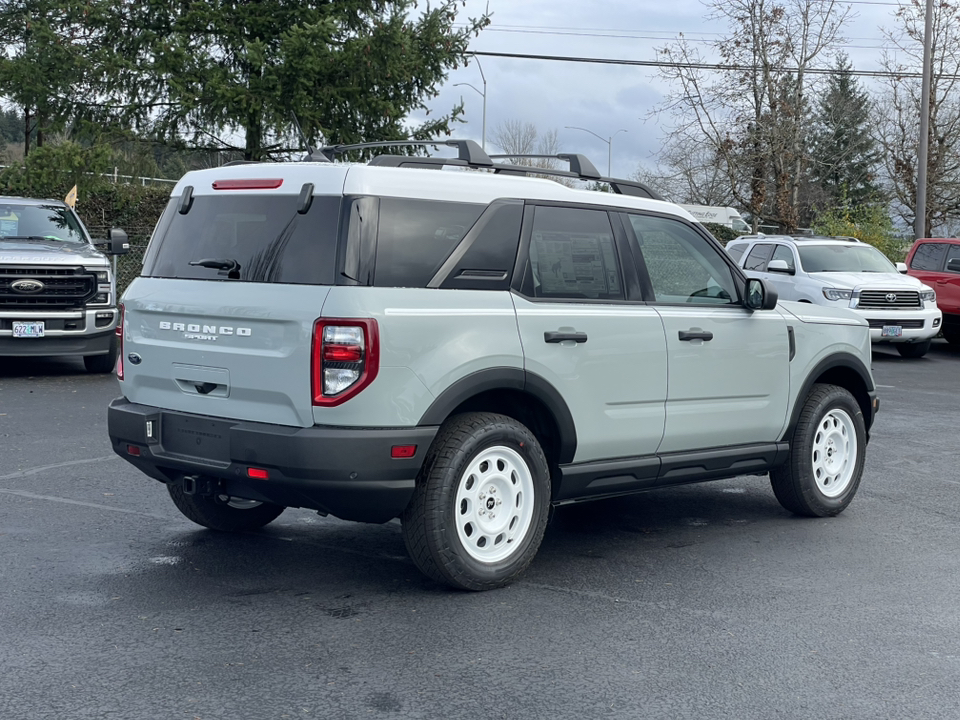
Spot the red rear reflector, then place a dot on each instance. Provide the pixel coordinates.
(342, 353)
(258, 473)
(403, 451)
(248, 184)
(133, 450)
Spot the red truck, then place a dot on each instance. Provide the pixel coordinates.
(936, 262)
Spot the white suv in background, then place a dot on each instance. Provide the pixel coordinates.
(844, 272)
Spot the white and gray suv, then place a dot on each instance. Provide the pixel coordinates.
(463, 350)
(843, 272)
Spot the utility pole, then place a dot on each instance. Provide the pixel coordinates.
(920, 222)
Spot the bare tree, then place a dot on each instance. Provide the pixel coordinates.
(689, 174)
(754, 118)
(516, 138)
(898, 115)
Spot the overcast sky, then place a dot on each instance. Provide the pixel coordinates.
(601, 98)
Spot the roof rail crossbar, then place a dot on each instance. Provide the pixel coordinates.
(580, 165)
(619, 186)
(467, 150)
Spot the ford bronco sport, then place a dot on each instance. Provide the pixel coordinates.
(463, 349)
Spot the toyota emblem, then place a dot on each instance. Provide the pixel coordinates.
(891, 297)
(26, 286)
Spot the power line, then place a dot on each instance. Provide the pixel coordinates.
(698, 66)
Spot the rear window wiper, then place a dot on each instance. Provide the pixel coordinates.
(231, 266)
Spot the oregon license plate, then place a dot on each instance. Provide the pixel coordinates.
(28, 329)
(891, 331)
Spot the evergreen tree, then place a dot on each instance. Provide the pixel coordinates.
(229, 74)
(845, 155)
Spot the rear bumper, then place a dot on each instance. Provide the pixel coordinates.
(346, 472)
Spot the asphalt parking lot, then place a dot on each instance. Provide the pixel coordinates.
(707, 601)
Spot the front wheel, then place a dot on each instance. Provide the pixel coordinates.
(222, 512)
(913, 350)
(481, 504)
(823, 471)
(102, 363)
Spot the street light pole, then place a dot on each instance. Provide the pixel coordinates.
(608, 141)
(920, 221)
(483, 135)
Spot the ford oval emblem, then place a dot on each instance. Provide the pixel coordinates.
(134, 359)
(26, 286)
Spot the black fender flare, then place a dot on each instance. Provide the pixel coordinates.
(502, 378)
(838, 360)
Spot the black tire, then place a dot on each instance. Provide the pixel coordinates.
(795, 483)
(456, 529)
(913, 350)
(102, 363)
(221, 515)
(952, 335)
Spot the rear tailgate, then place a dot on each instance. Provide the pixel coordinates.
(232, 350)
(222, 319)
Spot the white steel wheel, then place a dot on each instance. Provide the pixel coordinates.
(825, 463)
(494, 504)
(481, 503)
(834, 453)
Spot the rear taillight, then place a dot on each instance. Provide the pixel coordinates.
(120, 344)
(346, 358)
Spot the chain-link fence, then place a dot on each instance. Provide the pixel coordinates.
(128, 266)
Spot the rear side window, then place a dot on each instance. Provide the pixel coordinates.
(736, 252)
(264, 235)
(415, 237)
(572, 255)
(929, 256)
(758, 257)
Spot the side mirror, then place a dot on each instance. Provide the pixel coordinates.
(780, 266)
(953, 265)
(117, 242)
(902, 268)
(760, 295)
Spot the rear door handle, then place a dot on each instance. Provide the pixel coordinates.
(557, 337)
(696, 335)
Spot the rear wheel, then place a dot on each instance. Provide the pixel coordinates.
(481, 504)
(913, 350)
(826, 459)
(222, 512)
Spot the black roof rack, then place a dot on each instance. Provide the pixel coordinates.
(580, 167)
(468, 151)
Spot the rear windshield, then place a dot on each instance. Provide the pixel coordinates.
(251, 238)
(39, 222)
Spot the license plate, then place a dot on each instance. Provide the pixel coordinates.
(891, 331)
(28, 329)
(196, 437)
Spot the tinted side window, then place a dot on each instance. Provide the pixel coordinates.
(929, 256)
(416, 236)
(572, 255)
(485, 259)
(782, 252)
(758, 257)
(953, 253)
(683, 266)
(736, 252)
(262, 234)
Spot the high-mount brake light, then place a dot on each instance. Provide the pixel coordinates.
(119, 332)
(248, 184)
(346, 359)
